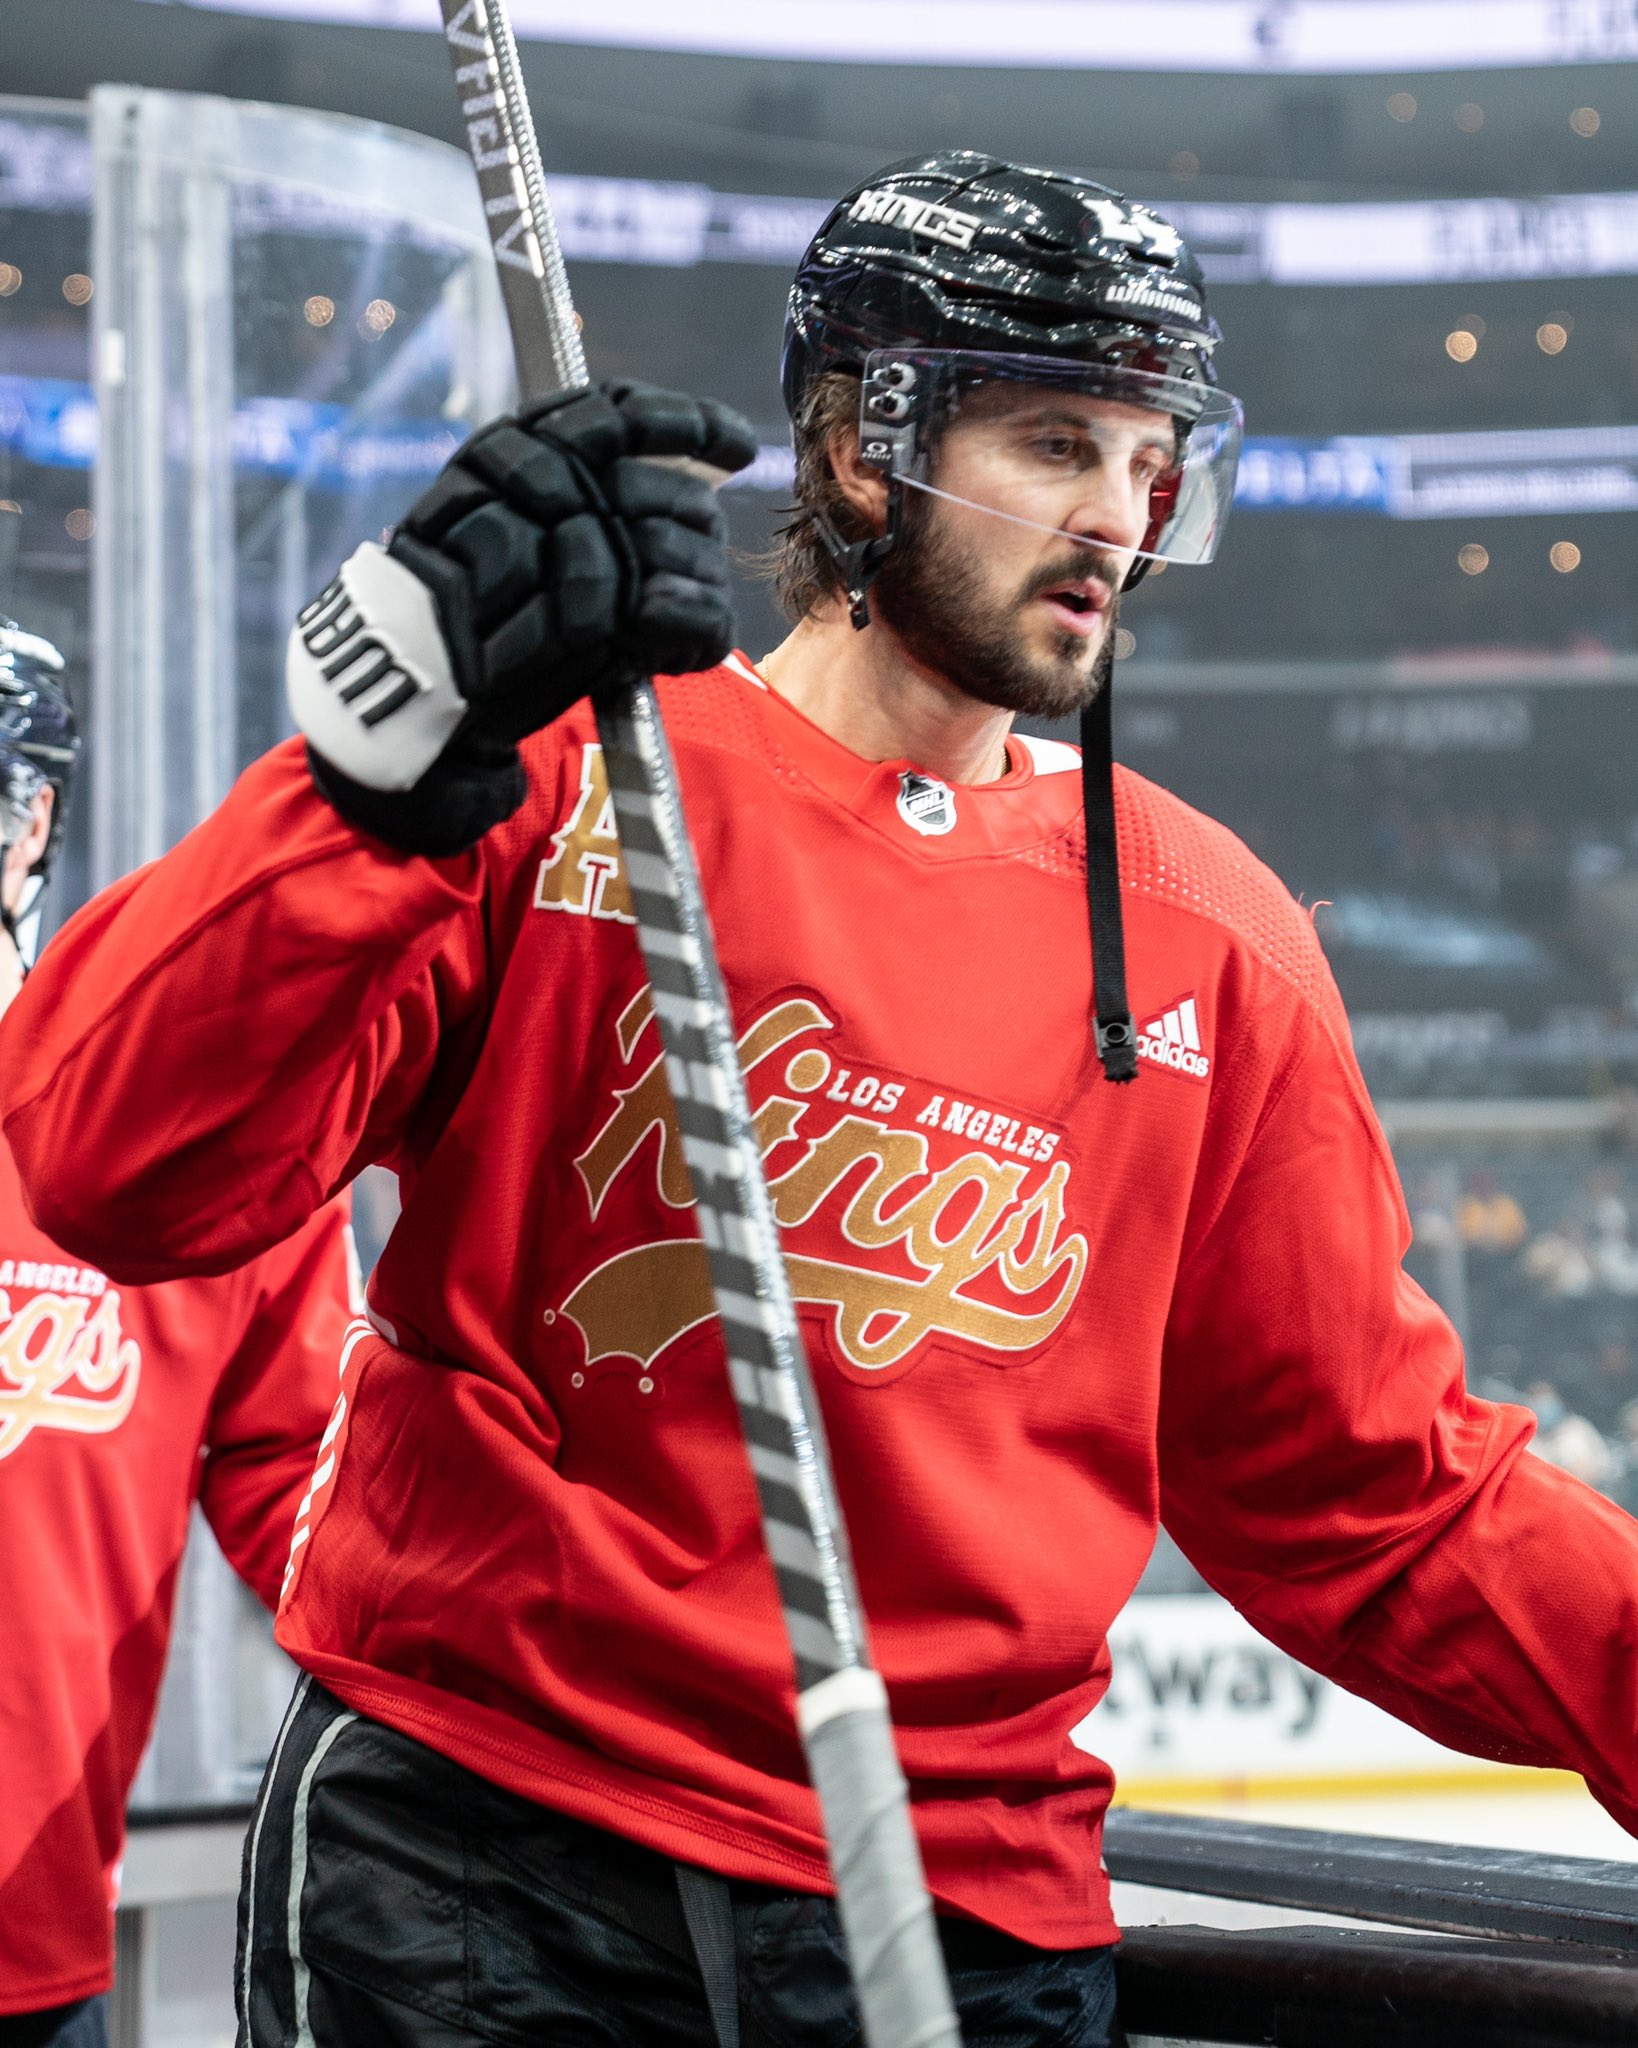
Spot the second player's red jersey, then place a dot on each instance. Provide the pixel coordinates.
(119, 1406)
(1041, 1309)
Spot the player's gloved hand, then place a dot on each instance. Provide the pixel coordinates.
(554, 558)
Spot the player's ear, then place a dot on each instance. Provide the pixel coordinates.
(864, 488)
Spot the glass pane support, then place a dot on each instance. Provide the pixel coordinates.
(295, 323)
(47, 423)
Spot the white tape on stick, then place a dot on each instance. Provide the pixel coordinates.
(854, 1691)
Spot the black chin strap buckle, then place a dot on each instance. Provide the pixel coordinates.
(858, 560)
(1117, 1047)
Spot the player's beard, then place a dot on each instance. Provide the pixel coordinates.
(933, 593)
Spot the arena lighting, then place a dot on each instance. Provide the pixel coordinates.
(318, 311)
(1461, 345)
(1402, 106)
(1270, 36)
(1473, 559)
(11, 280)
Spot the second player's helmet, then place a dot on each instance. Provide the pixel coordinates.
(39, 737)
(949, 270)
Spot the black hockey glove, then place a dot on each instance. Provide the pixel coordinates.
(561, 553)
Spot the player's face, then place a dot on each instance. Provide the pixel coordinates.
(31, 824)
(1014, 616)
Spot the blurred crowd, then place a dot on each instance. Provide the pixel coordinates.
(1546, 1291)
(1509, 861)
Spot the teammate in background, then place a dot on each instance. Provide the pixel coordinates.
(119, 1406)
(544, 1652)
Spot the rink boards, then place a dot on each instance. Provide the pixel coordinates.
(1203, 1708)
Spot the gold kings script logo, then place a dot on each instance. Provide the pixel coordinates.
(909, 1214)
(65, 1361)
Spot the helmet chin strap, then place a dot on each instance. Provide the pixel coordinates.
(1114, 1033)
(857, 561)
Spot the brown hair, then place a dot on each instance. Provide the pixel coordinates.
(799, 564)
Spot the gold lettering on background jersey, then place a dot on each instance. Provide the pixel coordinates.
(582, 873)
(55, 1342)
(931, 1237)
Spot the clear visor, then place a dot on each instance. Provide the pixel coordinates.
(1128, 460)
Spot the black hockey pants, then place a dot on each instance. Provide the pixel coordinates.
(84, 2024)
(392, 1899)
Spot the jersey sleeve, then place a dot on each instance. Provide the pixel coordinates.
(1324, 1467)
(213, 1046)
(276, 1394)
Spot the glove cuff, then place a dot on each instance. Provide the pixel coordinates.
(454, 804)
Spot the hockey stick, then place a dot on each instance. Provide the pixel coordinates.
(842, 1709)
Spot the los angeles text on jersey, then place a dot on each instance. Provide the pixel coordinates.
(909, 1212)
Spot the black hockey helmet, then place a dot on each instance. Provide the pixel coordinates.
(963, 251)
(39, 736)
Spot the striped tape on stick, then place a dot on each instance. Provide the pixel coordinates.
(842, 1708)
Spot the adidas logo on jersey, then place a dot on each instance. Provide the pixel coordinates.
(1173, 1040)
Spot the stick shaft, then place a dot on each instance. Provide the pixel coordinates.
(500, 139)
(842, 1705)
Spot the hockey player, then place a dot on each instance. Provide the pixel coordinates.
(548, 1695)
(118, 1407)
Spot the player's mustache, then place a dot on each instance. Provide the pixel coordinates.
(1086, 561)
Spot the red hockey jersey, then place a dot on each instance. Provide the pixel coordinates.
(118, 1407)
(1041, 1309)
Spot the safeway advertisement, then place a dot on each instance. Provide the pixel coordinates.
(1199, 1697)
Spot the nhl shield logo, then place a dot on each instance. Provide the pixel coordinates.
(926, 805)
